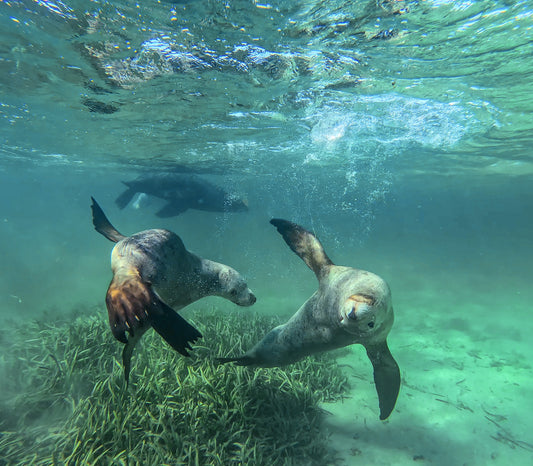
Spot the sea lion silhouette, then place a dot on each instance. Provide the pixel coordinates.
(182, 191)
(152, 268)
(350, 306)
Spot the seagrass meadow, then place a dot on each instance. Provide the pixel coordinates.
(65, 400)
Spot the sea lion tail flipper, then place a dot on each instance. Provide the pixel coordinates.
(124, 198)
(127, 353)
(386, 377)
(102, 225)
(304, 243)
(174, 329)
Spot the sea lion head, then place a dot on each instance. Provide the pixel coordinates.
(368, 316)
(233, 203)
(234, 287)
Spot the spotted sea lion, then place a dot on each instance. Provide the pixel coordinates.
(350, 306)
(152, 271)
(182, 191)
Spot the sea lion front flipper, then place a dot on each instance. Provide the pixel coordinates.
(386, 377)
(133, 305)
(102, 225)
(303, 243)
(128, 302)
(172, 209)
(124, 198)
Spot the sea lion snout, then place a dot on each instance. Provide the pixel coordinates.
(237, 205)
(246, 298)
(359, 311)
(360, 314)
(232, 286)
(253, 299)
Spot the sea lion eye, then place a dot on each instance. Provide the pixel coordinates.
(371, 324)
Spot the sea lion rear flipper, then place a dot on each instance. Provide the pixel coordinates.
(386, 377)
(124, 199)
(102, 225)
(127, 353)
(171, 209)
(303, 243)
(239, 360)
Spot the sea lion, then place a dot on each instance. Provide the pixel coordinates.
(350, 306)
(152, 271)
(182, 191)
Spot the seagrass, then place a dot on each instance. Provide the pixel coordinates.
(65, 400)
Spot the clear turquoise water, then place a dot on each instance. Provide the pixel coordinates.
(409, 152)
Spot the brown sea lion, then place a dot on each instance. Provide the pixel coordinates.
(152, 271)
(350, 306)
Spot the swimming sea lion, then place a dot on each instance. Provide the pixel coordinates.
(350, 306)
(182, 191)
(153, 268)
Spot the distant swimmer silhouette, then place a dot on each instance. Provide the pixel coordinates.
(182, 191)
(350, 306)
(152, 271)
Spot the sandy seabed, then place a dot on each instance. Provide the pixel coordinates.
(466, 393)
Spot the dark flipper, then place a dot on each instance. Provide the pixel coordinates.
(102, 225)
(127, 353)
(124, 199)
(172, 209)
(133, 307)
(174, 329)
(303, 243)
(386, 377)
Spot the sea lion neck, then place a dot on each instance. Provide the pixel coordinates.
(208, 274)
(330, 273)
(324, 276)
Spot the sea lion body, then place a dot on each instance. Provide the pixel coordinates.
(178, 276)
(152, 270)
(351, 306)
(314, 328)
(182, 191)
